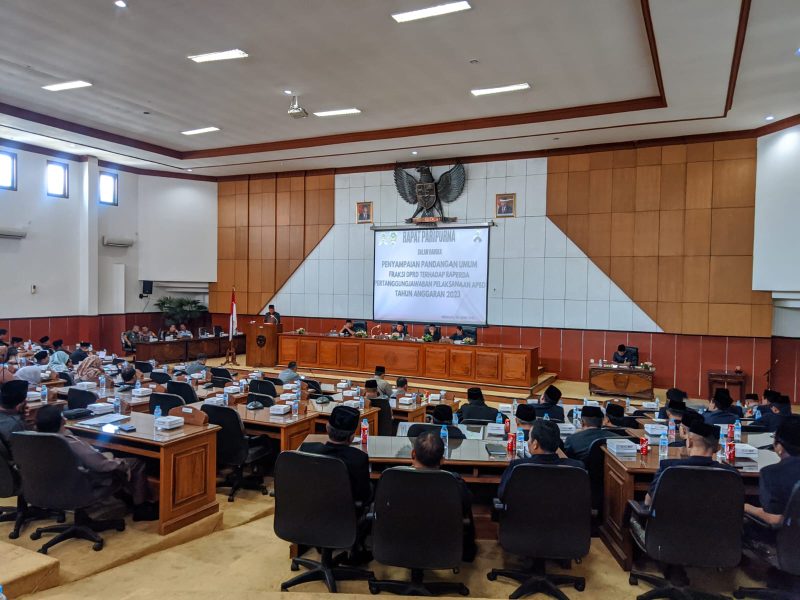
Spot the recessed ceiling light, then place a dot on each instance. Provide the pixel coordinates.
(769, 118)
(224, 55)
(515, 87)
(432, 11)
(338, 112)
(67, 85)
(121, 4)
(189, 170)
(414, 152)
(797, 52)
(201, 130)
(288, 92)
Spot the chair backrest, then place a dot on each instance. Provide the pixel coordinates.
(66, 377)
(52, 476)
(220, 382)
(321, 515)
(143, 366)
(273, 380)
(786, 541)
(313, 385)
(385, 421)
(359, 325)
(159, 377)
(471, 332)
(117, 361)
(265, 399)
(477, 421)
(405, 536)
(553, 411)
(9, 476)
(77, 398)
(595, 465)
(540, 524)
(753, 428)
(697, 517)
(166, 401)
(191, 415)
(221, 372)
(478, 411)
(182, 389)
(453, 432)
(261, 386)
(232, 445)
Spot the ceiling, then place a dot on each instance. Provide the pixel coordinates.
(594, 78)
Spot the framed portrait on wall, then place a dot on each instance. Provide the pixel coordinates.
(505, 205)
(363, 212)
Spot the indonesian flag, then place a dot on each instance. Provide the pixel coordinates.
(232, 323)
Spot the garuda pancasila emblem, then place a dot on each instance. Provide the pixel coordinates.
(428, 194)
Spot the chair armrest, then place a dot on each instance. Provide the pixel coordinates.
(498, 505)
(762, 523)
(640, 509)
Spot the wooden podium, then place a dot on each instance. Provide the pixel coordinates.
(262, 344)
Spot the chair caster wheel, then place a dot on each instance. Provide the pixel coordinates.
(284, 588)
(464, 590)
(580, 585)
(97, 546)
(491, 576)
(295, 566)
(456, 571)
(13, 535)
(42, 550)
(633, 580)
(265, 492)
(120, 527)
(36, 535)
(373, 589)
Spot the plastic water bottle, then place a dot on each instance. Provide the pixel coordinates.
(455, 419)
(499, 418)
(663, 446)
(514, 407)
(225, 398)
(445, 435)
(203, 374)
(671, 430)
(576, 417)
(737, 431)
(627, 405)
(723, 445)
(117, 404)
(102, 381)
(44, 394)
(546, 417)
(658, 403)
(585, 402)
(137, 385)
(242, 383)
(295, 408)
(157, 411)
(361, 402)
(2, 595)
(520, 443)
(756, 413)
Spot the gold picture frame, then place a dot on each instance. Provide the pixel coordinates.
(363, 212)
(505, 205)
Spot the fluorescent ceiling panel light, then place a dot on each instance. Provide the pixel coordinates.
(224, 55)
(516, 87)
(121, 4)
(336, 113)
(67, 85)
(201, 130)
(769, 118)
(432, 11)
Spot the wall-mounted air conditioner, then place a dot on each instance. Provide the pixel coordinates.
(117, 242)
(13, 234)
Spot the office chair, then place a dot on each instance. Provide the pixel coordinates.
(235, 449)
(403, 536)
(470, 331)
(322, 515)
(782, 554)
(385, 419)
(67, 377)
(265, 399)
(314, 386)
(53, 478)
(359, 325)
(143, 366)
(561, 522)
(554, 411)
(453, 432)
(77, 398)
(273, 380)
(166, 401)
(117, 361)
(159, 377)
(220, 382)
(753, 428)
(221, 372)
(695, 520)
(182, 389)
(477, 412)
(476, 421)
(262, 386)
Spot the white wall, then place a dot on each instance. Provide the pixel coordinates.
(776, 244)
(537, 277)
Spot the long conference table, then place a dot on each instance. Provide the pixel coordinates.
(187, 348)
(478, 363)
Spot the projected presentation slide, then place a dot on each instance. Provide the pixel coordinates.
(431, 275)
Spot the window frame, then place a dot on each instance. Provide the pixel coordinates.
(65, 166)
(13, 186)
(115, 177)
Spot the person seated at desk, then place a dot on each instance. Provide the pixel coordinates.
(13, 348)
(719, 408)
(80, 353)
(198, 365)
(33, 373)
(183, 332)
(476, 407)
(371, 390)
(44, 343)
(399, 329)
(3, 334)
(347, 329)
(458, 335)
(777, 481)
(621, 355)
(442, 415)
(701, 445)
(384, 386)
(289, 374)
(427, 453)
(272, 316)
(58, 345)
(548, 404)
(682, 432)
(129, 339)
(401, 388)
(751, 402)
(60, 362)
(145, 335)
(525, 418)
(13, 406)
(674, 396)
(577, 445)
(171, 333)
(615, 415)
(127, 378)
(771, 416)
(131, 472)
(543, 442)
(90, 369)
(432, 331)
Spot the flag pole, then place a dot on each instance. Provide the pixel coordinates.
(230, 355)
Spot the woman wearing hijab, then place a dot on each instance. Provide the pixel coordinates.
(59, 362)
(90, 369)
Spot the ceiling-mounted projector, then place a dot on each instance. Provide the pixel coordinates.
(295, 110)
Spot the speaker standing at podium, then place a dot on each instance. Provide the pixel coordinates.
(272, 316)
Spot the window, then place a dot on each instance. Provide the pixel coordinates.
(8, 171)
(57, 179)
(107, 185)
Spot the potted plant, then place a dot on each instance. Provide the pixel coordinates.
(395, 335)
(427, 337)
(180, 310)
(467, 341)
(360, 334)
(301, 331)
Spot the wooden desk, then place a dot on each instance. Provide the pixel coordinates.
(503, 365)
(631, 382)
(323, 412)
(727, 379)
(187, 348)
(413, 413)
(186, 460)
(630, 478)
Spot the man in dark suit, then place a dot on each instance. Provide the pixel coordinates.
(13, 403)
(427, 453)
(458, 335)
(543, 441)
(773, 414)
(719, 412)
(272, 316)
(577, 445)
(674, 396)
(442, 415)
(80, 353)
(682, 433)
(525, 418)
(476, 407)
(341, 427)
(548, 404)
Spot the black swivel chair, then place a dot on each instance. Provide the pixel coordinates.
(321, 516)
(478, 412)
(453, 432)
(221, 372)
(53, 478)
(182, 389)
(77, 398)
(385, 420)
(166, 401)
(359, 325)
(750, 428)
(471, 332)
(554, 412)
(539, 526)
(782, 555)
(143, 366)
(67, 377)
(235, 449)
(695, 520)
(403, 536)
(314, 386)
(265, 400)
(117, 361)
(220, 382)
(261, 386)
(159, 377)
